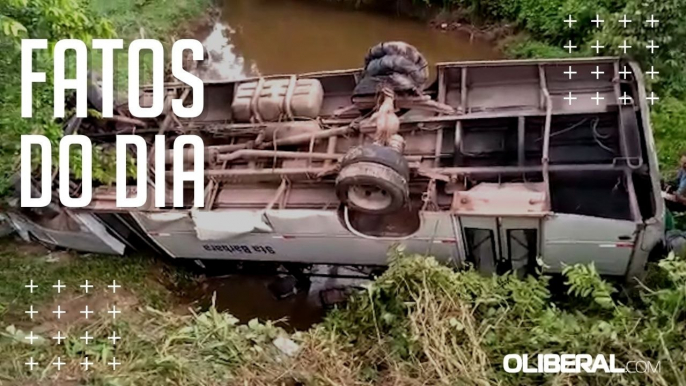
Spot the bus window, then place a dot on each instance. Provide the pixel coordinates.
(522, 250)
(481, 248)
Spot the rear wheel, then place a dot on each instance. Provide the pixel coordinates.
(371, 188)
(377, 154)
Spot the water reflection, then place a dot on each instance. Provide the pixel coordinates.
(260, 37)
(247, 296)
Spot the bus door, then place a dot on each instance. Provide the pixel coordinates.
(500, 244)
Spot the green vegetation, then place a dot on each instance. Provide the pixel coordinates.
(543, 21)
(420, 323)
(158, 19)
(21, 262)
(154, 19)
(669, 129)
(542, 33)
(62, 19)
(142, 278)
(51, 20)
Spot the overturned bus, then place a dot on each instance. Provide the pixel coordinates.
(504, 165)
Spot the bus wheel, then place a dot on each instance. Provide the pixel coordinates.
(378, 154)
(371, 188)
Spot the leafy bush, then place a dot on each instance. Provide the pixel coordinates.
(584, 282)
(48, 19)
(422, 323)
(52, 20)
(62, 19)
(669, 128)
(522, 46)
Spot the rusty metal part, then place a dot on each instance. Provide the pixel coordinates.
(506, 199)
(211, 155)
(442, 174)
(305, 138)
(546, 102)
(397, 143)
(495, 170)
(248, 153)
(126, 120)
(330, 148)
(291, 129)
(432, 175)
(289, 96)
(266, 172)
(406, 123)
(385, 120)
(252, 153)
(423, 102)
(317, 172)
(254, 111)
(294, 140)
(279, 193)
(168, 110)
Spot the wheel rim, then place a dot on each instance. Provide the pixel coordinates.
(369, 197)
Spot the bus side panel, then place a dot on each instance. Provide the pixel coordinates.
(314, 250)
(293, 239)
(574, 239)
(91, 237)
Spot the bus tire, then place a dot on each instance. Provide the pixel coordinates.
(371, 188)
(397, 48)
(378, 154)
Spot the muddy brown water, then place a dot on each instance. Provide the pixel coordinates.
(264, 37)
(247, 297)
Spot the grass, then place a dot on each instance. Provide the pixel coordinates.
(420, 323)
(144, 276)
(163, 20)
(156, 345)
(151, 18)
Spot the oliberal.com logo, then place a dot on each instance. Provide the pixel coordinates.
(574, 363)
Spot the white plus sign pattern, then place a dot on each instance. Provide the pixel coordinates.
(61, 338)
(598, 21)
(597, 47)
(625, 48)
(624, 21)
(625, 99)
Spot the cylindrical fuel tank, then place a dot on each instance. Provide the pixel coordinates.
(269, 100)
